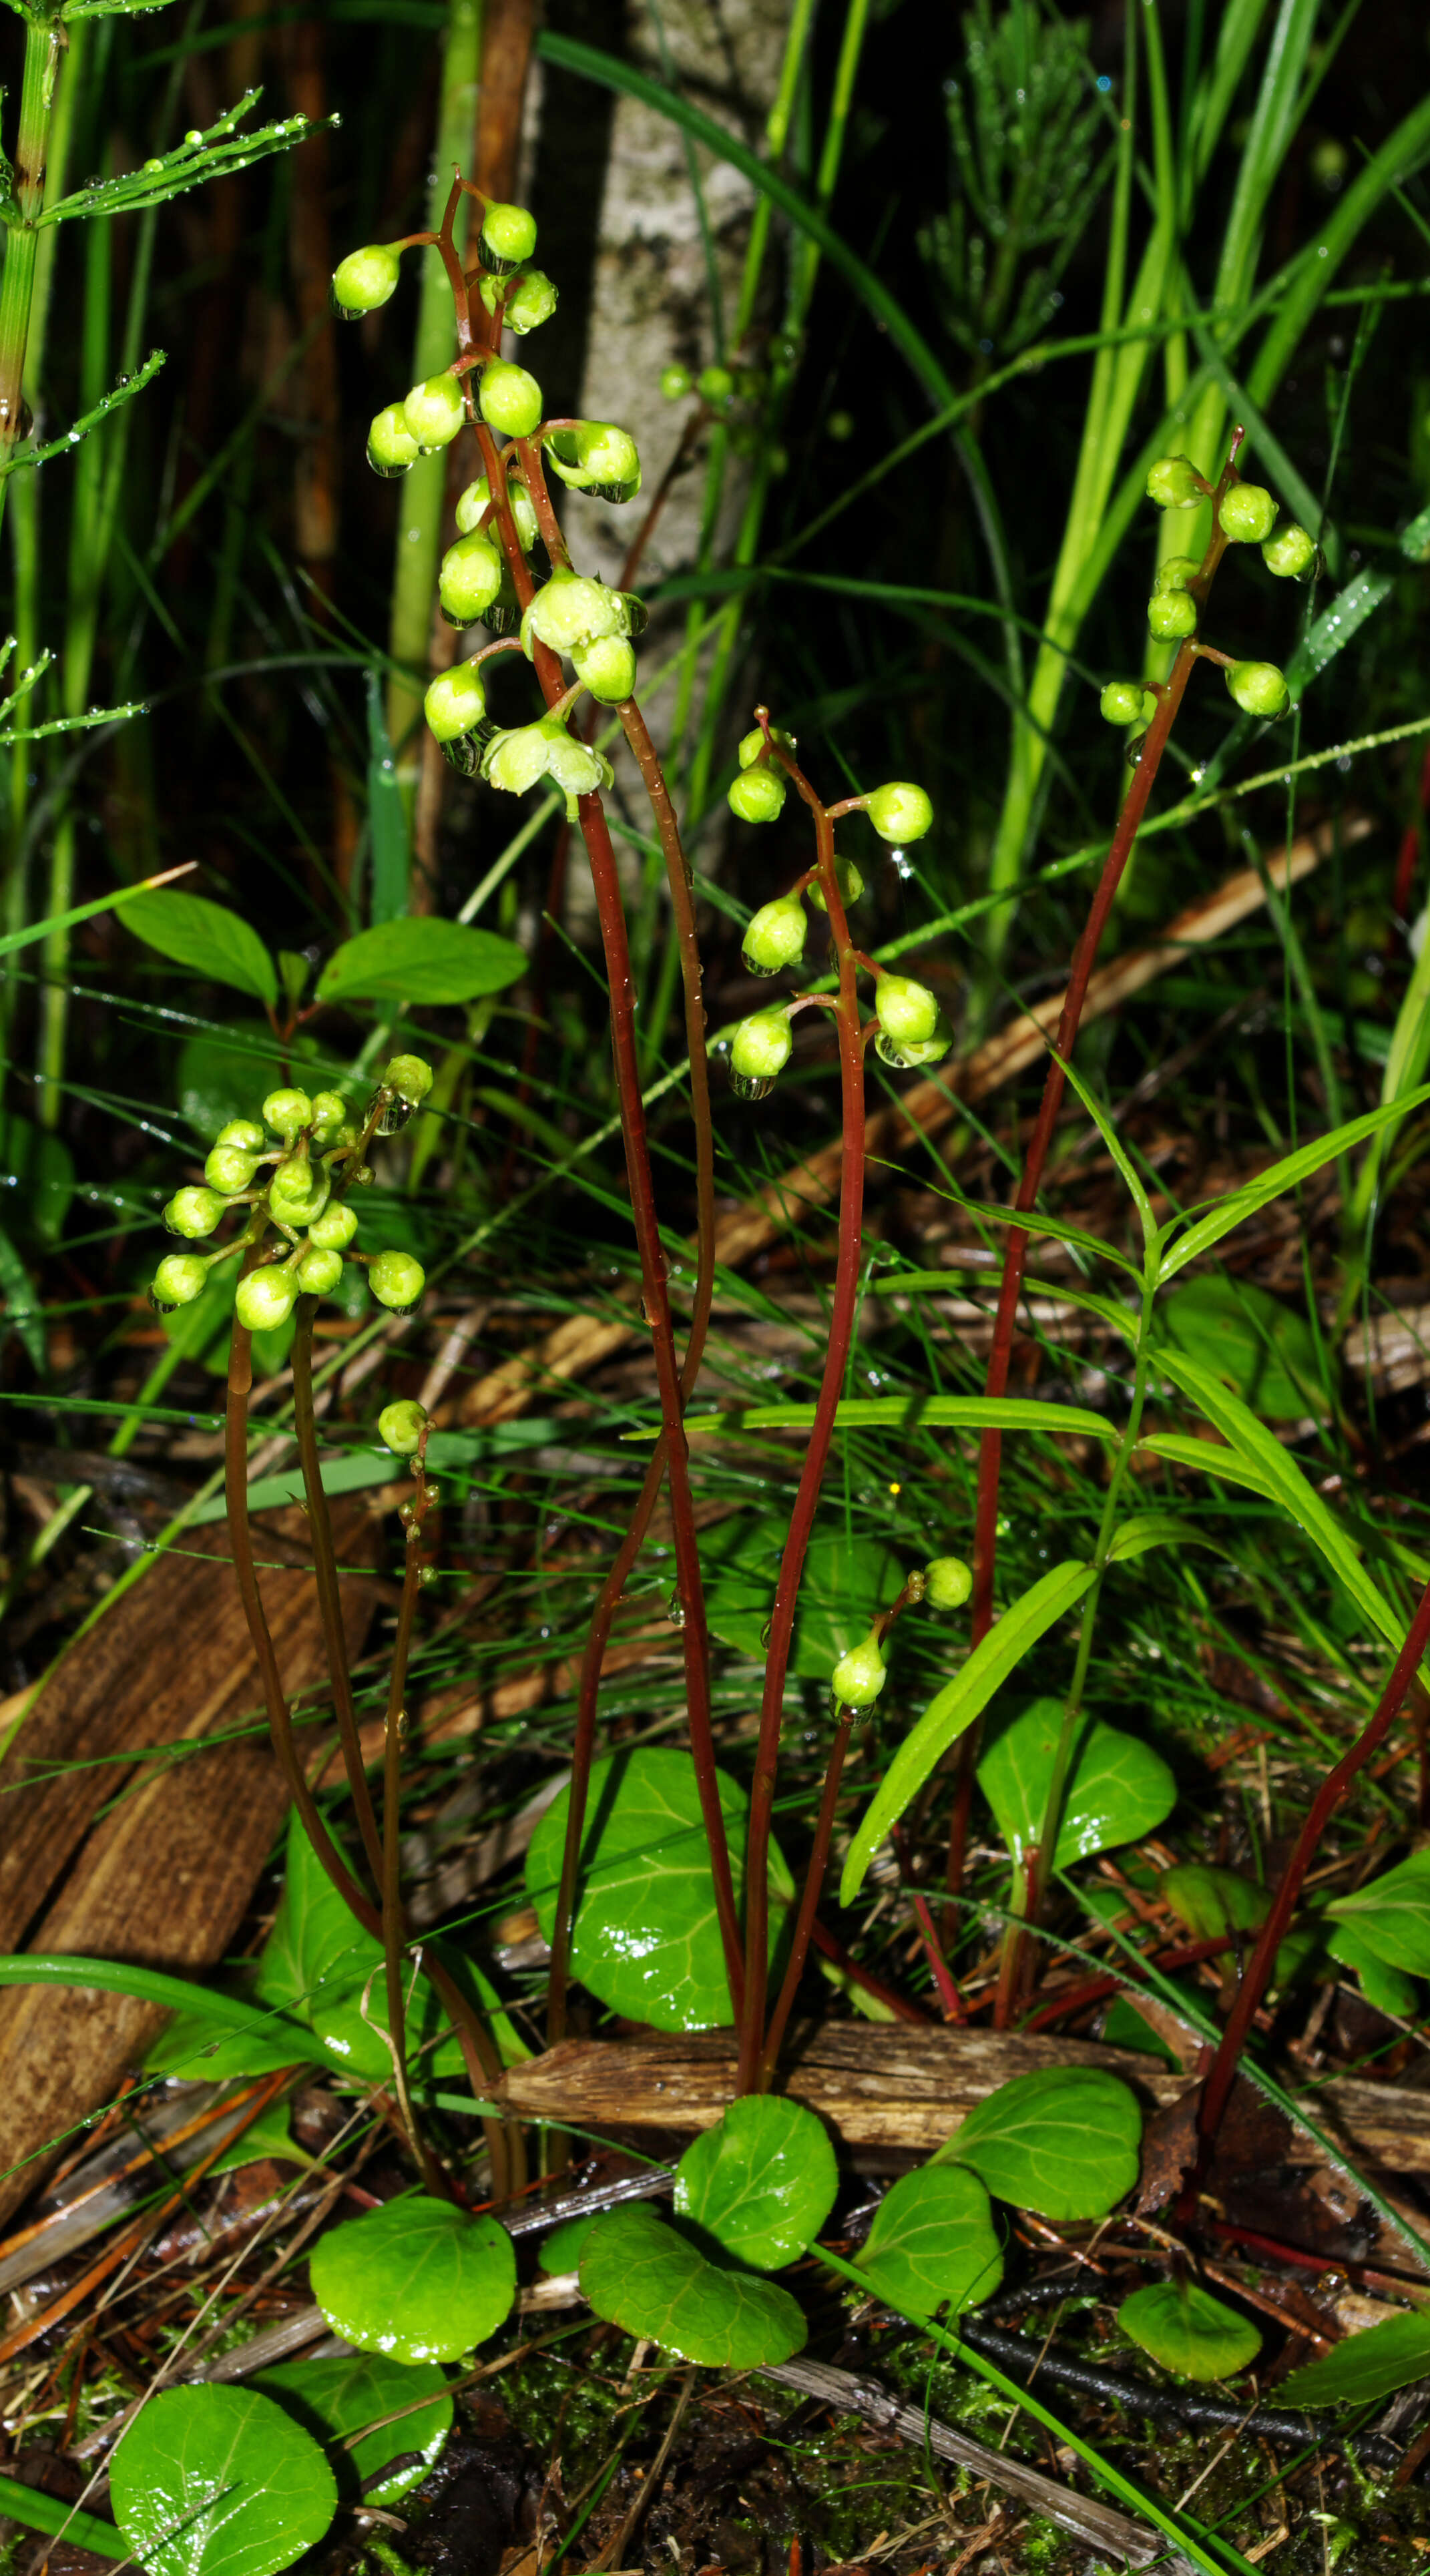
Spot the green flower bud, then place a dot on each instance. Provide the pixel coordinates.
(848, 880)
(265, 1298)
(243, 1132)
(1247, 514)
(859, 1676)
(758, 795)
(508, 237)
(572, 610)
(396, 1280)
(761, 1046)
(230, 1170)
(476, 498)
(531, 302)
(1258, 688)
(675, 382)
(410, 1076)
(297, 1193)
(597, 457)
(903, 1054)
(362, 282)
(333, 1231)
(1171, 614)
(947, 1582)
(287, 1113)
(908, 1011)
(510, 399)
(716, 386)
(400, 1426)
(193, 1213)
(1291, 552)
(391, 447)
(514, 761)
(330, 1114)
(607, 668)
(1121, 702)
(775, 936)
(900, 812)
(752, 744)
(572, 764)
(434, 411)
(469, 580)
(1176, 572)
(1173, 485)
(179, 1279)
(319, 1272)
(456, 702)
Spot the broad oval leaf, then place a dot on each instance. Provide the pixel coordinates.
(561, 2251)
(641, 2274)
(417, 2279)
(646, 1938)
(1388, 1989)
(1366, 2367)
(219, 2482)
(957, 1705)
(1213, 1902)
(422, 960)
(846, 1580)
(1392, 1915)
(206, 936)
(762, 2181)
(334, 2399)
(933, 2243)
(1264, 1351)
(1064, 2142)
(1118, 1788)
(1187, 2330)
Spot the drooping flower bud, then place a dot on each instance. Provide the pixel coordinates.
(573, 765)
(179, 1279)
(410, 1076)
(1291, 552)
(509, 398)
(775, 935)
(760, 1048)
(1176, 572)
(456, 702)
(514, 761)
(675, 382)
(597, 457)
(333, 1231)
(716, 386)
(607, 668)
(265, 1298)
(193, 1213)
(1247, 514)
(572, 610)
(230, 1170)
(859, 1676)
(508, 237)
(434, 411)
(752, 745)
(531, 301)
(469, 580)
(477, 498)
(319, 1271)
(287, 1112)
(908, 1011)
(330, 1115)
(400, 1426)
(900, 812)
(1171, 614)
(363, 281)
(243, 1132)
(298, 1192)
(396, 1280)
(947, 1582)
(848, 880)
(904, 1054)
(758, 795)
(391, 447)
(1121, 702)
(1258, 688)
(1173, 484)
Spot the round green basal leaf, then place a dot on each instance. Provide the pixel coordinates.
(1366, 2367)
(1118, 1788)
(640, 2274)
(219, 2482)
(933, 2243)
(646, 1939)
(845, 1582)
(1064, 2142)
(1264, 1351)
(1213, 1902)
(1391, 1915)
(1189, 2331)
(417, 2280)
(1387, 1988)
(561, 2251)
(761, 2182)
(334, 2399)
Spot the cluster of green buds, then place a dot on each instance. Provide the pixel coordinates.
(1246, 515)
(296, 1189)
(945, 1583)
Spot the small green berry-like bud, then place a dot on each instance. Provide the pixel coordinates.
(478, 495)
(510, 399)
(675, 382)
(572, 610)
(859, 1676)
(179, 1279)
(752, 745)
(1258, 688)
(758, 795)
(904, 1053)
(607, 667)
(900, 812)
(434, 411)
(1248, 514)
(410, 1076)
(333, 1231)
(396, 1279)
(1121, 702)
(716, 385)
(456, 702)
(761, 1046)
(319, 1272)
(573, 764)
(908, 1011)
(1291, 552)
(1176, 572)
(531, 302)
(243, 1132)
(848, 880)
(947, 1582)
(597, 457)
(363, 281)
(508, 237)
(265, 1298)
(1173, 484)
(776, 934)
(391, 447)
(469, 580)
(1170, 614)
(400, 1426)
(287, 1113)
(297, 1193)
(230, 1170)
(193, 1213)
(514, 761)
(330, 1115)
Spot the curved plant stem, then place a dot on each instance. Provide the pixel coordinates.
(393, 1928)
(325, 1574)
(813, 1888)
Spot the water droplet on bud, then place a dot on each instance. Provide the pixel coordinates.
(675, 1611)
(752, 1086)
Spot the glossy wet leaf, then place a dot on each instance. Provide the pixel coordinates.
(332, 2400)
(269, 2134)
(933, 2242)
(646, 1937)
(1264, 1351)
(1388, 1989)
(1391, 1915)
(846, 1580)
(762, 2181)
(562, 2250)
(1213, 1902)
(642, 2274)
(219, 2482)
(417, 2279)
(1118, 1787)
(1064, 2142)
(422, 960)
(207, 937)
(1366, 2367)
(36, 1179)
(1187, 2330)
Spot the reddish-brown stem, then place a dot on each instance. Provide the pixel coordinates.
(813, 1889)
(325, 1575)
(1095, 1989)
(874, 1987)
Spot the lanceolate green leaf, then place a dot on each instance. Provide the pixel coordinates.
(1279, 1177)
(1391, 1915)
(957, 1705)
(206, 936)
(1226, 1463)
(1144, 1530)
(1366, 2367)
(422, 960)
(914, 1413)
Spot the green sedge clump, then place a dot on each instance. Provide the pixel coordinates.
(363, 281)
